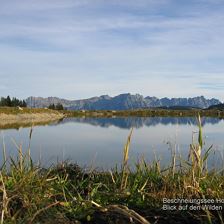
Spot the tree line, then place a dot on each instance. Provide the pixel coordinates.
(58, 106)
(14, 102)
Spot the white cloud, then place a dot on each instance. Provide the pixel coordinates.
(96, 47)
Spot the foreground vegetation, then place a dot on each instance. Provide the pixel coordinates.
(69, 194)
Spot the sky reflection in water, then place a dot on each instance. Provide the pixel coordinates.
(99, 141)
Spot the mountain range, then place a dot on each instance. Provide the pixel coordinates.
(122, 102)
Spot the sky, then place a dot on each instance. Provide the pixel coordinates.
(78, 49)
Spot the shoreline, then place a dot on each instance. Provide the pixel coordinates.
(17, 117)
(14, 118)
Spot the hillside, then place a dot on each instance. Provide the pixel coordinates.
(217, 107)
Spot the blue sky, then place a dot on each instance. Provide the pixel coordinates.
(82, 48)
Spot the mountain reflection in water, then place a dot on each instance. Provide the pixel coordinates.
(138, 122)
(100, 141)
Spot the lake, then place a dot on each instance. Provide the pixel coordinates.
(99, 142)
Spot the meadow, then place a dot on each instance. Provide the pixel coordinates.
(109, 113)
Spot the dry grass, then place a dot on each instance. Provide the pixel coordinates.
(13, 117)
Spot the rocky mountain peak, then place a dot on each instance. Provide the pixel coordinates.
(123, 101)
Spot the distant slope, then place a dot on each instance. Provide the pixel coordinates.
(217, 107)
(123, 102)
(178, 107)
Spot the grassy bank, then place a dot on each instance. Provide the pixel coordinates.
(146, 113)
(16, 117)
(25, 110)
(68, 194)
(110, 113)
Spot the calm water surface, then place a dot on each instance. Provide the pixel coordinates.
(100, 141)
